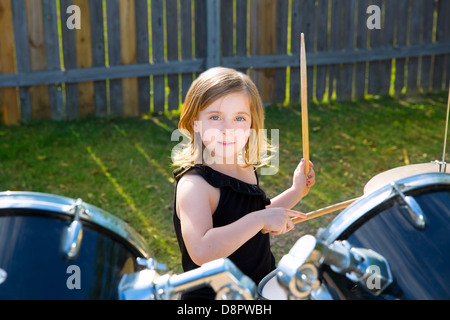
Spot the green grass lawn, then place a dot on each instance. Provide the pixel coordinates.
(123, 165)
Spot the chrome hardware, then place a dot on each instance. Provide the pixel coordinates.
(298, 270)
(442, 165)
(364, 266)
(373, 271)
(295, 276)
(151, 264)
(3, 275)
(411, 210)
(222, 275)
(73, 234)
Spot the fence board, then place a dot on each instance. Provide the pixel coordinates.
(186, 43)
(98, 55)
(83, 39)
(335, 45)
(11, 109)
(200, 29)
(282, 10)
(442, 34)
(322, 42)
(402, 25)
(173, 99)
(70, 62)
(361, 44)
(376, 76)
(345, 85)
(22, 55)
(388, 30)
(58, 111)
(142, 54)
(427, 37)
(39, 94)
(158, 53)
(130, 96)
(226, 27)
(294, 83)
(114, 55)
(262, 42)
(308, 27)
(241, 29)
(414, 38)
(212, 33)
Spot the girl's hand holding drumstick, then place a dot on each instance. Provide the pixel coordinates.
(303, 182)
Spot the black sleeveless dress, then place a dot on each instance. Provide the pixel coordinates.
(237, 198)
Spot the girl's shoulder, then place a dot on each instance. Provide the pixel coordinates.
(194, 191)
(192, 174)
(196, 179)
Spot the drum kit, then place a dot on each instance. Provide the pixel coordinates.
(391, 243)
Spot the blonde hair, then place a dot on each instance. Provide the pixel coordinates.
(211, 85)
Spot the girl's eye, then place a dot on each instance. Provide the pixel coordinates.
(240, 118)
(215, 118)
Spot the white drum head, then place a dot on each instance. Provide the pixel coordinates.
(270, 289)
(395, 174)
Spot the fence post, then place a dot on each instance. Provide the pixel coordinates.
(212, 33)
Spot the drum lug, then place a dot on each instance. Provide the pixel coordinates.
(73, 234)
(411, 209)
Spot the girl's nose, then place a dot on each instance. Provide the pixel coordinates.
(226, 127)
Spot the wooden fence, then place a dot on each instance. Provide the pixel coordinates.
(133, 57)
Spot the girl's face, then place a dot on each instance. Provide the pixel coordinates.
(225, 126)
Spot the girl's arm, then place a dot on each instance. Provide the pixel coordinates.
(205, 243)
(299, 189)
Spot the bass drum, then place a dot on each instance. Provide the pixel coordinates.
(416, 244)
(33, 261)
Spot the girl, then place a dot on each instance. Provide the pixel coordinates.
(219, 209)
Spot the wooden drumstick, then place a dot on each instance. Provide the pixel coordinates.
(304, 103)
(324, 211)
